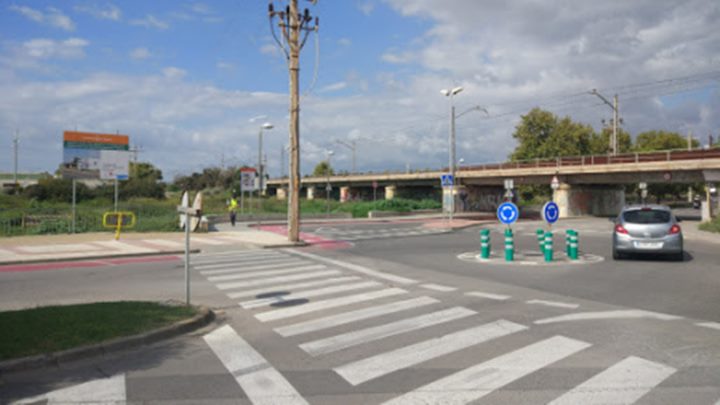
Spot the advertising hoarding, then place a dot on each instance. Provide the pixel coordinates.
(95, 156)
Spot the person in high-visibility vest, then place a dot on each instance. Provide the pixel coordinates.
(232, 208)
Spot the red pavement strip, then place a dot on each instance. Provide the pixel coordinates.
(88, 263)
(309, 238)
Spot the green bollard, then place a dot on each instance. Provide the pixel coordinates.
(548, 246)
(568, 237)
(541, 240)
(509, 246)
(485, 243)
(574, 245)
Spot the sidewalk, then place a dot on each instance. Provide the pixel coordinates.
(48, 248)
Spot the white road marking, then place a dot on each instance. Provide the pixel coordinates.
(240, 259)
(262, 383)
(553, 304)
(376, 366)
(345, 340)
(326, 304)
(353, 316)
(355, 267)
(242, 253)
(498, 297)
(103, 391)
(265, 264)
(272, 280)
(619, 314)
(438, 287)
(480, 380)
(623, 383)
(308, 294)
(288, 287)
(267, 273)
(711, 325)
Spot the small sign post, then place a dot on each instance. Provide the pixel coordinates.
(194, 212)
(447, 181)
(643, 191)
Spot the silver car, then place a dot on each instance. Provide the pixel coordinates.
(647, 229)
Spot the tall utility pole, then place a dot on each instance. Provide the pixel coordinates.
(260, 168)
(451, 141)
(353, 147)
(614, 106)
(291, 24)
(16, 142)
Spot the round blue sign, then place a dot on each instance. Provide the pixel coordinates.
(550, 212)
(508, 213)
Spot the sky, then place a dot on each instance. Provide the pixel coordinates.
(191, 83)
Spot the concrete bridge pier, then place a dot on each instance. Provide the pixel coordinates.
(281, 193)
(580, 200)
(310, 193)
(390, 191)
(479, 198)
(345, 194)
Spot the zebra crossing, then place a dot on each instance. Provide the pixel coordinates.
(384, 233)
(275, 288)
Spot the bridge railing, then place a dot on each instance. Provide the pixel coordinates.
(566, 161)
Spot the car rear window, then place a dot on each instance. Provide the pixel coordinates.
(647, 217)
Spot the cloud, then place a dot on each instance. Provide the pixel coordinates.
(140, 53)
(52, 16)
(150, 21)
(107, 12)
(225, 65)
(366, 7)
(42, 48)
(174, 73)
(333, 87)
(344, 42)
(271, 49)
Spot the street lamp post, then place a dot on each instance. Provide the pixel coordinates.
(451, 166)
(328, 153)
(353, 148)
(261, 172)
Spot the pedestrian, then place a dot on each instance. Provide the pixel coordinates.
(232, 208)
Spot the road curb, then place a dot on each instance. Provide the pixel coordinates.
(56, 359)
(96, 257)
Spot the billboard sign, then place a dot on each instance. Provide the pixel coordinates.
(95, 156)
(247, 179)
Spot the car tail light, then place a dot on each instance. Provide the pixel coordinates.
(620, 229)
(674, 229)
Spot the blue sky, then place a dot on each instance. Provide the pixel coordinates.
(183, 79)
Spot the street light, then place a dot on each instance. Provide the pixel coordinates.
(614, 106)
(328, 153)
(451, 93)
(264, 126)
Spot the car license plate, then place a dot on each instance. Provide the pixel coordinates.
(648, 245)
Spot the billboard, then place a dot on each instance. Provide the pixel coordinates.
(95, 156)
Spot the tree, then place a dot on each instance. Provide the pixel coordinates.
(143, 170)
(323, 169)
(654, 140)
(649, 141)
(541, 134)
(600, 143)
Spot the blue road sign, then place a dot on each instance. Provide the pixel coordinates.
(550, 212)
(446, 180)
(508, 213)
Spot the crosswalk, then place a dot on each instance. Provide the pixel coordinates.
(306, 301)
(374, 233)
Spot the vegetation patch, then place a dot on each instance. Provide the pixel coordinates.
(711, 226)
(49, 329)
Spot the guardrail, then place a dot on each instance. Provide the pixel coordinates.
(564, 161)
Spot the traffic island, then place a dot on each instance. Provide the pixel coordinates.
(52, 335)
(529, 258)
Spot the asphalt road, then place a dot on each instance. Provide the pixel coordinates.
(396, 315)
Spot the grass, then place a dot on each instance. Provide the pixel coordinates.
(711, 226)
(48, 329)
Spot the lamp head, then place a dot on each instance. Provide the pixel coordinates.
(267, 125)
(456, 90)
(445, 92)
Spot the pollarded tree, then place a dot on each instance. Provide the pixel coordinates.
(323, 169)
(541, 134)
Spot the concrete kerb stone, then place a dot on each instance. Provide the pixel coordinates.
(96, 257)
(203, 318)
(530, 259)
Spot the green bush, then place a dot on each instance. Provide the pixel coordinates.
(711, 226)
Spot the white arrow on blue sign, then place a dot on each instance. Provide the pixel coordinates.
(550, 212)
(508, 213)
(446, 180)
